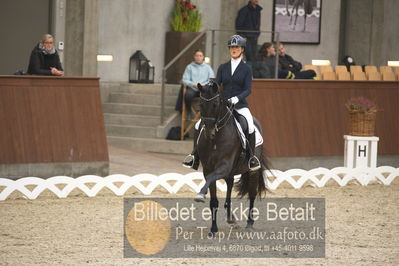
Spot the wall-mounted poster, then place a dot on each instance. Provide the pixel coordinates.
(297, 21)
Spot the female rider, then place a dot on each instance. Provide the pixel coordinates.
(236, 78)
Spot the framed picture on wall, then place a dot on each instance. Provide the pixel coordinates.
(297, 21)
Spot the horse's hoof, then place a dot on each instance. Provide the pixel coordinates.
(200, 198)
(250, 226)
(231, 221)
(212, 234)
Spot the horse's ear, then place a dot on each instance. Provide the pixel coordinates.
(215, 87)
(220, 88)
(200, 88)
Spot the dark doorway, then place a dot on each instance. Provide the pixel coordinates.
(22, 23)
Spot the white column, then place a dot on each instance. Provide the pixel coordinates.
(360, 152)
(58, 27)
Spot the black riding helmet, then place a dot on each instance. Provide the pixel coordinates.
(237, 40)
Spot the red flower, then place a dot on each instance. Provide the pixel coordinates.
(361, 104)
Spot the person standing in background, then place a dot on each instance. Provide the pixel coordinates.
(44, 59)
(248, 19)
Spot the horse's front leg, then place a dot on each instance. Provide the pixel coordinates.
(227, 205)
(219, 173)
(214, 205)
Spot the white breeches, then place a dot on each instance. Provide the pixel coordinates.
(244, 112)
(247, 114)
(197, 124)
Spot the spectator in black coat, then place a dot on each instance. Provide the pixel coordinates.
(44, 59)
(286, 61)
(248, 19)
(266, 65)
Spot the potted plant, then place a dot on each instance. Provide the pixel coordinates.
(186, 17)
(362, 115)
(185, 25)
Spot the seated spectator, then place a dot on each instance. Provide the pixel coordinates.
(265, 66)
(44, 59)
(286, 61)
(266, 62)
(196, 72)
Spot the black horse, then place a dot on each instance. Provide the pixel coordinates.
(221, 155)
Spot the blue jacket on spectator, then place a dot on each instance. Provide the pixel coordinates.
(197, 73)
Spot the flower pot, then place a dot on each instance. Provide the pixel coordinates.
(175, 42)
(362, 123)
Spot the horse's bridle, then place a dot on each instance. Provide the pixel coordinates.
(219, 122)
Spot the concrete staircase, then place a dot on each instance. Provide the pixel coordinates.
(132, 118)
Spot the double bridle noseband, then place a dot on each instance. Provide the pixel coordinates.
(219, 122)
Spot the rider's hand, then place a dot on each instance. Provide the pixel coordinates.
(233, 100)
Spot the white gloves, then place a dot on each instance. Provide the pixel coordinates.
(234, 100)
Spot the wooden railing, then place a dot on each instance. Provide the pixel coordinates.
(309, 118)
(51, 119)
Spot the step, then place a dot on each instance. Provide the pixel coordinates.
(152, 145)
(141, 99)
(136, 109)
(130, 131)
(151, 89)
(132, 120)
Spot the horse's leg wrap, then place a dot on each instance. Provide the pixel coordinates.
(253, 163)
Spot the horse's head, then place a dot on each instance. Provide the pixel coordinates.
(212, 106)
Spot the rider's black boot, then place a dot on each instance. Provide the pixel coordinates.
(253, 162)
(192, 160)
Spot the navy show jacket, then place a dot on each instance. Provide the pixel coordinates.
(239, 84)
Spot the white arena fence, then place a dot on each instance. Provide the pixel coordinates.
(147, 183)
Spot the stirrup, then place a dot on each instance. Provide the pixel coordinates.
(257, 163)
(188, 162)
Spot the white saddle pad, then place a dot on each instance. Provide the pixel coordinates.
(258, 136)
